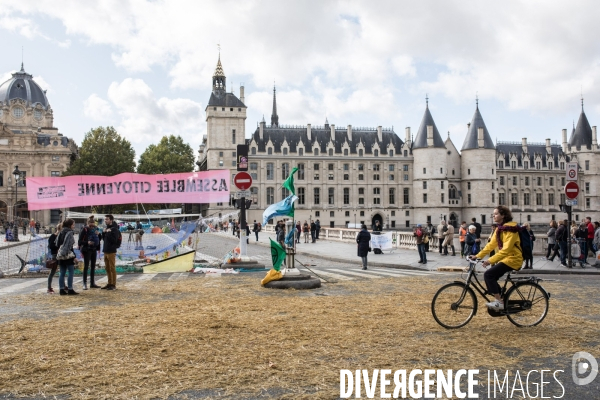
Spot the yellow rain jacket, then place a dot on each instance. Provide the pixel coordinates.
(510, 254)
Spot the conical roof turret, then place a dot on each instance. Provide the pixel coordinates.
(471, 140)
(421, 139)
(582, 135)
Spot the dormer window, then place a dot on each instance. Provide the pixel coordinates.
(526, 165)
(270, 151)
(285, 151)
(300, 152)
(376, 153)
(253, 150)
(330, 152)
(316, 151)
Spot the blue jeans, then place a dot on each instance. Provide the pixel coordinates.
(61, 276)
(422, 253)
(563, 252)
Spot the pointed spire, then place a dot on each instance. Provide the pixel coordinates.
(426, 101)
(477, 100)
(274, 116)
(582, 133)
(219, 79)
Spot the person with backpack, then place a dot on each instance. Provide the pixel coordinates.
(306, 230)
(529, 260)
(65, 243)
(472, 245)
(363, 240)
(53, 252)
(506, 240)
(552, 242)
(562, 236)
(112, 241)
(89, 243)
(421, 234)
(313, 230)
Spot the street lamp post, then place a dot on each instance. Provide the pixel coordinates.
(16, 174)
(520, 218)
(354, 220)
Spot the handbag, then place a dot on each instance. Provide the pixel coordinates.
(67, 257)
(426, 239)
(51, 263)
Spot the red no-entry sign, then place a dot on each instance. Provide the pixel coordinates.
(242, 180)
(572, 190)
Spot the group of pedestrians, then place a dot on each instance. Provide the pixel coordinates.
(585, 235)
(61, 245)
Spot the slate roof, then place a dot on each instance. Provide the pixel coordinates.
(582, 135)
(45, 140)
(421, 139)
(532, 150)
(224, 100)
(22, 86)
(322, 136)
(471, 141)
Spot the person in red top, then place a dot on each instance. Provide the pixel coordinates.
(590, 235)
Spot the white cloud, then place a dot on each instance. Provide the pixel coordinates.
(145, 119)
(97, 108)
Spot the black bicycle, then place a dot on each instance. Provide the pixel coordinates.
(525, 300)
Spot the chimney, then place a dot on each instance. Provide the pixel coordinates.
(407, 134)
(379, 134)
(349, 132)
(480, 141)
(594, 138)
(332, 130)
(308, 132)
(429, 135)
(524, 145)
(242, 93)
(261, 129)
(564, 141)
(548, 146)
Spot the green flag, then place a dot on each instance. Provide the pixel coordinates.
(277, 254)
(289, 182)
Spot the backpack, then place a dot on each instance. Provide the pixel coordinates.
(526, 243)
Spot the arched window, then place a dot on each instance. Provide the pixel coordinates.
(452, 192)
(360, 153)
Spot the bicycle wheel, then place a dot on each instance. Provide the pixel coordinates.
(526, 304)
(454, 305)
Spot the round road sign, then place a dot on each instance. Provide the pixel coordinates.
(572, 190)
(242, 180)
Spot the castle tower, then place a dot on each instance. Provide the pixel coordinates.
(478, 169)
(430, 174)
(225, 127)
(583, 146)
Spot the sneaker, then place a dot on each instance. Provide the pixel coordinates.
(71, 292)
(50, 290)
(420, 261)
(85, 286)
(111, 287)
(63, 292)
(496, 305)
(543, 258)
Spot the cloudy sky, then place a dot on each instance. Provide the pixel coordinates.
(145, 67)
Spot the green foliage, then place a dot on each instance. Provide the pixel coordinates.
(171, 155)
(103, 152)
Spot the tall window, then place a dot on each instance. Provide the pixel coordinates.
(376, 190)
(526, 199)
(587, 188)
(442, 185)
(301, 151)
(375, 167)
(270, 195)
(346, 177)
(300, 172)
(424, 198)
(376, 153)
(514, 179)
(23, 179)
(391, 167)
(500, 164)
(253, 170)
(406, 195)
(346, 167)
(360, 153)
(391, 153)
(375, 177)
(587, 165)
(551, 181)
(253, 151)
(468, 185)
(331, 197)
(1, 178)
(285, 151)
(513, 164)
(284, 193)
(442, 198)
(270, 151)
(452, 194)
(345, 152)
(538, 199)
(330, 152)
(424, 184)
(301, 196)
(501, 199)
(469, 198)
(392, 196)
(316, 151)
(317, 196)
(526, 165)
(550, 199)
(501, 181)
(233, 136)
(539, 181)
(285, 170)
(270, 172)
(514, 199)
(526, 181)
(562, 198)
(346, 196)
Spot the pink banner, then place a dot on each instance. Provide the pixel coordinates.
(91, 190)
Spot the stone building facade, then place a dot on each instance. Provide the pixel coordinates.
(29, 140)
(353, 175)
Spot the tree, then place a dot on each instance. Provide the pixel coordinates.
(171, 155)
(103, 152)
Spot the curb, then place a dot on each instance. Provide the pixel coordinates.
(587, 271)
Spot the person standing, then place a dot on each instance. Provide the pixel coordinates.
(255, 229)
(313, 231)
(298, 231)
(89, 244)
(562, 236)
(53, 251)
(37, 227)
(529, 261)
(420, 234)
(590, 235)
(462, 235)
(110, 238)
(306, 230)
(318, 229)
(596, 242)
(552, 243)
(32, 227)
(441, 229)
(472, 245)
(377, 227)
(477, 226)
(362, 243)
(449, 240)
(65, 243)
(431, 230)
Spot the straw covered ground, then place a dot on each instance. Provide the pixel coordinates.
(229, 336)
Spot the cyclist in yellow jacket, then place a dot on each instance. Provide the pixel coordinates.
(507, 244)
